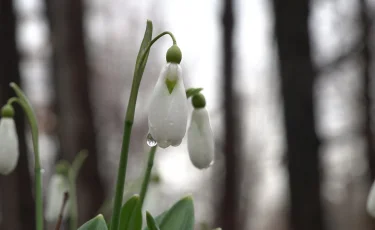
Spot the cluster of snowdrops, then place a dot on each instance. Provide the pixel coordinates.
(167, 121)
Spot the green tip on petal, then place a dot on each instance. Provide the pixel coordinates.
(198, 101)
(62, 167)
(174, 54)
(170, 84)
(7, 111)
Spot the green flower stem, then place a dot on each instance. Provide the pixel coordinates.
(72, 177)
(137, 78)
(146, 179)
(129, 118)
(26, 106)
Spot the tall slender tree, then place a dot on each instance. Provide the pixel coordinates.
(73, 106)
(367, 103)
(297, 81)
(17, 203)
(227, 217)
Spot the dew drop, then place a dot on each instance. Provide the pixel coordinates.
(150, 141)
(42, 171)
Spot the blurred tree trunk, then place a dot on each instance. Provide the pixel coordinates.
(17, 204)
(297, 82)
(367, 86)
(366, 59)
(227, 217)
(73, 106)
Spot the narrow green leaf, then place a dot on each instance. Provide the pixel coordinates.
(158, 219)
(180, 216)
(140, 65)
(97, 223)
(193, 91)
(151, 223)
(78, 161)
(131, 215)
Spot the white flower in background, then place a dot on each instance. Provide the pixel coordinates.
(58, 185)
(200, 137)
(168, 111)
(8, 141)
(371, 201)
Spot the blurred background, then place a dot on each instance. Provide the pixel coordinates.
(289, 88)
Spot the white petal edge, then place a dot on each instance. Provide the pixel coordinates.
(168, 112)
(200, 139)
(370, 206)
(9, 151)
(55, 194)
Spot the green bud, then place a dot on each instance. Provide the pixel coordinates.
(7, 111)
(174, 54)
(198, 101)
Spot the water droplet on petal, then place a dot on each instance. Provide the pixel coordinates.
(151, 141)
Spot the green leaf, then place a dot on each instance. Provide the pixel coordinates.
(131, 214)
(180, 216)
(193, 91)
(158, 219)
(140, 65)
(151, 223)
(78, 161)
(97, 223)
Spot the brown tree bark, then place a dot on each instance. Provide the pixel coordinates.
(228, 215)
(73, 106)
(16, 200)
(297, 81)
(367, 103)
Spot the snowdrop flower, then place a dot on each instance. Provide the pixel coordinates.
(200, 136)
(371, 201)
(8, 141)
(58, 185)
(168, 111)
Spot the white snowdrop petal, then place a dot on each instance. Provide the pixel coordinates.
(200, 139)
(168, 112)
(9, 152)
(58, 185)
(371, 201)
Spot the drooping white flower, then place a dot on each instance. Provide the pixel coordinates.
(58, 185)
(200, 139)
(371, 201)
(8, 145)
(168, 111)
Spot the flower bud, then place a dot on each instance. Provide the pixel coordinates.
(200, 139)
(58, 185)
(174, 54)
(9, 151)
(168, 111)
(198, 101)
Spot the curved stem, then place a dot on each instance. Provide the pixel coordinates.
(146, 179)
(137, 79)
(72, 177)
(129, 118)
(26, 106)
